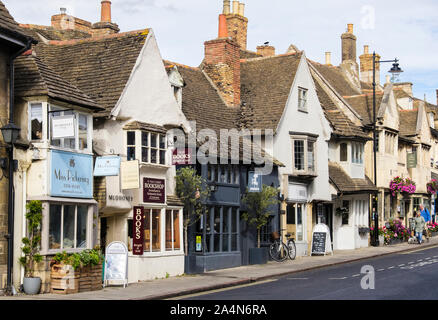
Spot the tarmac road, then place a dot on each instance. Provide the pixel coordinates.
(401, 276)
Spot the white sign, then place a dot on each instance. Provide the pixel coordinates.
(63, 127)
(130, 174)
(297, 192)
(321, 241)
(116, 263)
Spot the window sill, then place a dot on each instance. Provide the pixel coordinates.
(155, 165)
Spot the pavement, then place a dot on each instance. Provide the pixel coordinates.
(173, 287)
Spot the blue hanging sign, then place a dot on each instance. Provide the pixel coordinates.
(71, 175)
(107, 166)
(254, 182)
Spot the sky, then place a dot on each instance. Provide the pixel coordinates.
(400, 29)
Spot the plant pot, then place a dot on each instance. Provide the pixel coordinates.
(258, 255)
(32, 285)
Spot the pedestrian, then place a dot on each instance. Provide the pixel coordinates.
(419, 224)
(427, 218)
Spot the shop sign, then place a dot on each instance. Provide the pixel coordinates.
(71, 175)
(154, 190)
(116, 263)
(182, 156)
(63, 127)
(198, 243)
(254, 182)
(107, 166)
(412, 160)
(130, 175)
(138, 234)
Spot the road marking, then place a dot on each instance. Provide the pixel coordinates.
(355, 275)
(427, 258)
(411, 262)
(297, 278)
(419, 260)
(401, 265)
(381, 270)
(391, 267)
(343, 278)
(422, 249)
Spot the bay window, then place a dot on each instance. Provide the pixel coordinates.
(304, 154)
(151, 147)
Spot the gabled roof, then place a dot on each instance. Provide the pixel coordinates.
(363, 104)
(345, 184)
(100, 67)
(9, 25)
(34, 78)
(266, 84)
(408, 122)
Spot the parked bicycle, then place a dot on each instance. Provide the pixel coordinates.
(280, 251)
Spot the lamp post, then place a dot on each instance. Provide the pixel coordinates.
(395, 71)
(10, 134)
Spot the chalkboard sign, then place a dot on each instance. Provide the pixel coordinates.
(319, 242)
(116, 263)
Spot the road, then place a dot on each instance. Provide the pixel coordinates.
(402, 276)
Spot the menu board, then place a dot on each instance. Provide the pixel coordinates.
(116, 263)
(319, 242)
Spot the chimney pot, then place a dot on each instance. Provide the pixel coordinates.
(328, 58)
(106, 11)
(350, 28)
(235, 7)
(227, 7)
(223, 29)
(366, 49)
(63, 10)
(242, 9)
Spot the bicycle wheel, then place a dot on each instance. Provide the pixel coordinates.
(292, 249)
(278, 252)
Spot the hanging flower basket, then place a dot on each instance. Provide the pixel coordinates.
(403, 186)
(432, 186)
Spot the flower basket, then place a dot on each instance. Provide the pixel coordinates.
(403, 186)
(432, 186)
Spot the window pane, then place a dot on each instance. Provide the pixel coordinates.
(209, 172)
(217, 220)
(162, 141)
(131, 138)
(147, 230)
(36, 118)
(144, 139)
(225, 222)
(156, 237)
(299, 154)
(230, 174)
(162, 157)
(236, 175)
(153, 140)
(145, 154)
(225, 239)
(70, 143)
(169, 230)
(300, 229)
(234, 220)
(343, 152)
(176, 240)
(131, 153)
(81, 229)
(290, 214)
(154, 156)
(55, 226)
(310, 156)
(83, 131)
(69, 227)
(224, 174)
(217, 242)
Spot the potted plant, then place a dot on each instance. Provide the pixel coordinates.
(257, 213)
(30, 248)
(432, 186)
(404, 186)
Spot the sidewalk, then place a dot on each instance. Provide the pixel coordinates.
(188, 284)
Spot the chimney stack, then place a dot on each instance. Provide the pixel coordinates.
(223, 29)
(105, 11)
(328, 58)
(266, 51)
(349, 44)
(237, 23)
(105, 26)
(227, 7)
(366, 66)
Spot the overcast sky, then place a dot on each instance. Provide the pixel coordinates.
(401, 29)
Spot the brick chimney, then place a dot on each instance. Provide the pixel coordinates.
(64, 21)
(349, 44)
(222, 64)
(105, 26)
(237, 23)
(266, 51)
(366, 66)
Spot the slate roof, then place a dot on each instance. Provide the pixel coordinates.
(363, 105)
(50, 33)
(34, 78)
(408, 122)
(345, 184)
(100, 67)
(9, 25)
(265, 87)
(336, 78)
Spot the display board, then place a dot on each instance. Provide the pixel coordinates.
(116, 263)
(321, 241)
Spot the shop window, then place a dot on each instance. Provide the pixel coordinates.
(300, 225)
(172, 230)
(223, 236)
(152, 236)
(36, 121)
(68, 226)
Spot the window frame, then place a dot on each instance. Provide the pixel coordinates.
(302, 99)
(307, 139)
(161, 153)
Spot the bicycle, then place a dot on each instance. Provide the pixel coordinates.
(279, 251)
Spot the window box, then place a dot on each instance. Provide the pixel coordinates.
(363, 230)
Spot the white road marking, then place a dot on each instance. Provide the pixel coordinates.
(381, 270)
(343, 278)
(297, 278)
(355, 275)
(411, 262)
(401, 265)
(391, 267)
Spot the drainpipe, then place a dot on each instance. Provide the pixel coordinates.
(10, 236)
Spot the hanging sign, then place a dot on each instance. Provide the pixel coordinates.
(107, 166)
(63, 127)
(130, 175)
(321, 242)
(154, 190)
(412, 160)
(116, 263)
(138, 231)
(254, 182)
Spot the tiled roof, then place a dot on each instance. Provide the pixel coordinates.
(34, 78)
(137, 125)
(341, 124)
(265, 87)
(345, 184)
(246, 54)
(100, 67)
(408, 122)
(336, 78)
(363, 105)
(51, 33)
(8, 24)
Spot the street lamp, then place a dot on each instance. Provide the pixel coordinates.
(10, 134)
(395, 71)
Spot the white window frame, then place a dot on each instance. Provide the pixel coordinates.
(306, 140)
(302, 99)
(139, 147)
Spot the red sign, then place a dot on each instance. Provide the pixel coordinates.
(138, 232)
(182, 156)
(154, 190)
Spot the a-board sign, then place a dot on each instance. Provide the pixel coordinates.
(116, 263)
(321, 242)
